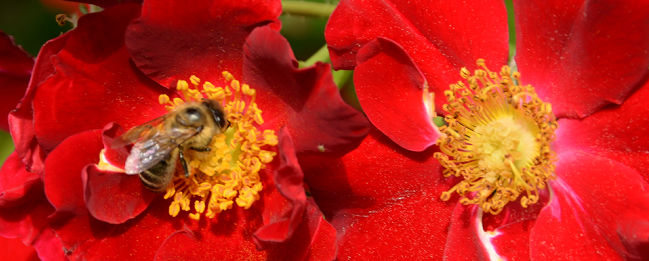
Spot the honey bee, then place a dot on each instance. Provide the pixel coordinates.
(159, 143)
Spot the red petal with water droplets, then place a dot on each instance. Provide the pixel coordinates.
(583, 55)
(391, 88)
(95, 82)
(440, 36)
(306, 100)
(375, 196)
(599, 210)
(173, 39)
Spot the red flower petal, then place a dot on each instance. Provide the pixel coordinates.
(390, 88)
(114, 156)
(463, 242)
(17, 184)
(21, 121)
(95, 82)
(113, 197)
(288, 179)
(15, 69)
(14, 249)
(174, 39)
(584, 55)
(599, 210)
(63, 167)
(383, 200)
(306, 100)
(513, 240)
(440, 36)
(617, 132)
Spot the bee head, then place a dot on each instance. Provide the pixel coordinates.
(217, 112)
(191, 117)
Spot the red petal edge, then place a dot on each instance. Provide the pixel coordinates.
(288, 179)
(390, 88)
(15, 69)
(306, 100)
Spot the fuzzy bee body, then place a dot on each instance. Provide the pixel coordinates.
(160, 143)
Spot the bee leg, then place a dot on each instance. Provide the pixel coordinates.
(201, 149)
(184, 163)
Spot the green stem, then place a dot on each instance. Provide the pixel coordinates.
(341, 77)
(308, 8)
(321, 55)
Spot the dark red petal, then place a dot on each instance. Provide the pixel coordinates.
(306, 100)
(617, 132)
(63, 167)
(582, 55)
(106, 3)
(14, 249)
(21, 121)
(15, 69)
(114, 197)
(17, 184)
(599, 210)
(288, 180)
(390, 88)
(85, 238)
(383, 200)
(314, 239)
(174, 39)
(95, 82)
(440, 36)
(27, 221)
(49, 246)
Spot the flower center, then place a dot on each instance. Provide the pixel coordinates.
(497, 138)
(229, 171)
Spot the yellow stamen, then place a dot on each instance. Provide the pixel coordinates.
(229, 171)
(497, 138)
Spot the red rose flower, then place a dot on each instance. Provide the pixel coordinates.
(578, 180)
(132, 63)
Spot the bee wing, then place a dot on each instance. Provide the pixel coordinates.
(142, 132)
(146, 153)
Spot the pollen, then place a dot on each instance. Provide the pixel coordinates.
(497, 138)
(227, 174)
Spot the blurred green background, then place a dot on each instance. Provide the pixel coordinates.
(32, 23)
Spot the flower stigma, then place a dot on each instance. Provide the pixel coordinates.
(497, 138)
(229, 172)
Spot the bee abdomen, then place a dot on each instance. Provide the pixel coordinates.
(154, 182)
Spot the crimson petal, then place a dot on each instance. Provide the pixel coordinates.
(17, 184)
(585, 54)
(114, 156)
(63, 167)
(15, 69)
(174, 39)
(440, 36)
(616, 132)
(21, 120)
(306, 100)
(599, 210)
(376, 203)
(14, 249)
(95, 81)
(288, 180)
(113, 197)
(391, 89)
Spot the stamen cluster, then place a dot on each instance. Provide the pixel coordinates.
(229, 171)
(497, 138)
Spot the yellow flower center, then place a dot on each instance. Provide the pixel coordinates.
(497, 138)
(229, 171)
